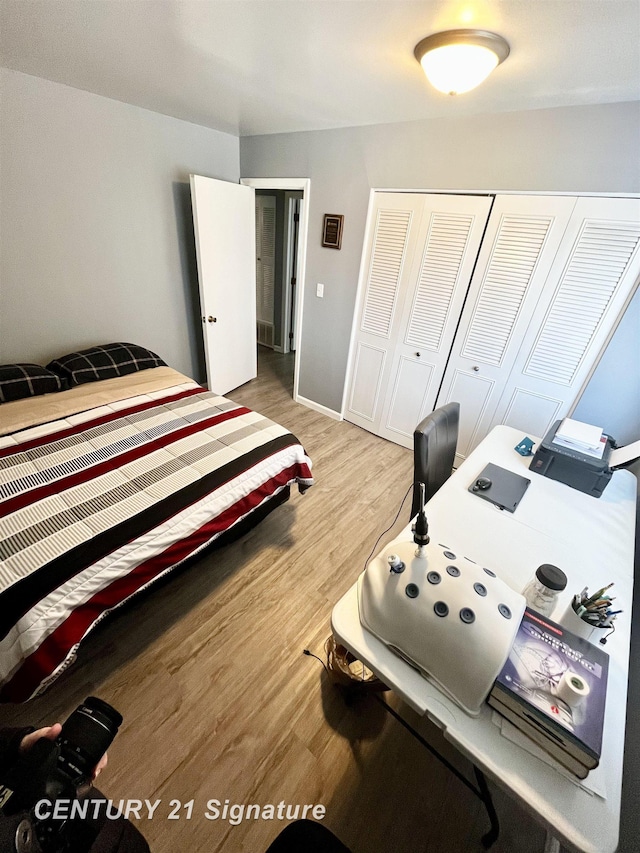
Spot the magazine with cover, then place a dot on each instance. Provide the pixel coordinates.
(556, 682)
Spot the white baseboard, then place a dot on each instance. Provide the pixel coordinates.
(317, 407)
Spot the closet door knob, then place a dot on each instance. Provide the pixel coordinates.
(417, 355)
(212, 319)
(475, 368)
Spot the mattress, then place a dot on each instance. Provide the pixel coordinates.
(108, 487)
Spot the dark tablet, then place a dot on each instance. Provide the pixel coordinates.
(506, 489)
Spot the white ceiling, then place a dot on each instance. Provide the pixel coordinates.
(267, 66)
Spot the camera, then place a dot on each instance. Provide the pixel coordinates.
(85, 737)
(53, 771)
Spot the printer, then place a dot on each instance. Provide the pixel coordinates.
(580, 470)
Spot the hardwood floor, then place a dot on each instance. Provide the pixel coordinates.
(219, 702)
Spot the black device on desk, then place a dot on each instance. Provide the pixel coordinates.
(581, 471)
(500, 487)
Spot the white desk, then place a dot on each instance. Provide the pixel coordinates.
(592, 540)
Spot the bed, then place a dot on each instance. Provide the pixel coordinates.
(107, 487)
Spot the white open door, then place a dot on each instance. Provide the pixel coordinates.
(224, 225)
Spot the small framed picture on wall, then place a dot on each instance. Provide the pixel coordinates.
(332, 230)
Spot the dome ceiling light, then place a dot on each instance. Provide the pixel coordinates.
(457, 61)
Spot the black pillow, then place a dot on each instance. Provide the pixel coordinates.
(18, 381)
(104, 362)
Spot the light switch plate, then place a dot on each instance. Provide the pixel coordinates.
(320, 290)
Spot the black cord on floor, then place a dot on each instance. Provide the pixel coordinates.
(366, 562)
(311, 655)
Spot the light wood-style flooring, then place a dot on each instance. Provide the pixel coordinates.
(219, 701)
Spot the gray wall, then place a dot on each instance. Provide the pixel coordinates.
(573, 149)
(95, 223)
(616, 382)
(97, 241)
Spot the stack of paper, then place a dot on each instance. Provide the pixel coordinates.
(624, 455)
(581, 437)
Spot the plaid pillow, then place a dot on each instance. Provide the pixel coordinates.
(104, 362)
(18, 381)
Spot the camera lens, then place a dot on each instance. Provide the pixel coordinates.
(86, 736)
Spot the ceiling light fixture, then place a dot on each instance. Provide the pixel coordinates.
(457, 61)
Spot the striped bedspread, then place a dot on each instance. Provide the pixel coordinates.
(96, 506)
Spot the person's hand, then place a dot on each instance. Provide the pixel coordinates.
(51, 733)
(100, 766)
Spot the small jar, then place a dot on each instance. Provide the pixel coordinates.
(542, 590)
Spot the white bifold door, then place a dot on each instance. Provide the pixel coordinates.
(553, 277)
(509, 322)
(417, 268)
(517, 254)
(224, 225)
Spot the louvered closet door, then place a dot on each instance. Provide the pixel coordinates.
(522, 238)
(392, 234)
(449, 236)
(592, 279)
(265, 267)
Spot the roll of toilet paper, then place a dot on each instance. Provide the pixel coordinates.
(572, 688)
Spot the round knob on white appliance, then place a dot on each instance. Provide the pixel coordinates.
(395, 564)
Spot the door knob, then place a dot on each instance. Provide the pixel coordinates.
(475, 368)
(212, 319)
(417, 355)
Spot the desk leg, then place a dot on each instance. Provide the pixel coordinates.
(482, 791)
(485, 795)
(551, 844)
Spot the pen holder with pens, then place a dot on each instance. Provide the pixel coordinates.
(592, 622)
(578, 626)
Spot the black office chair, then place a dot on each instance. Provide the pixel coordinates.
(306, 836)
(434, 450)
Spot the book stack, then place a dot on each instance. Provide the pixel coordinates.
(583, 438)
(553, 688)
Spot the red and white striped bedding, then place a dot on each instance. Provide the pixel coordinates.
(97, 505)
